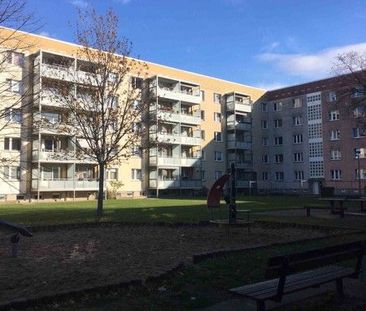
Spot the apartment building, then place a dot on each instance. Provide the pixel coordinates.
(309, 136)
(197, 125)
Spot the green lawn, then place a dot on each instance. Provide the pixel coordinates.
(138, 210)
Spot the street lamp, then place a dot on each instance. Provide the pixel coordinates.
(358, 153)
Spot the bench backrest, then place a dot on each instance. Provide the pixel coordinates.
(292, 263)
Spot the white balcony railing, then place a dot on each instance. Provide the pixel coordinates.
(239, 126)
(63, 184)
(239, 145)
(64, 156)
(168, 184)
(175, 94)
(173, 161)
(187, 140)
(57, 72)
(239, 106)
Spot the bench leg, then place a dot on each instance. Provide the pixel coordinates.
(261, 306)
(339, 284)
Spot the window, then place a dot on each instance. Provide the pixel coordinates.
(13, 115)
(336, 174)
(136, 151)
(203, 175)
(217, 117)
(264, 124)
(298, 157)
(15, 58)
(265, 158)
(296, 120)
(277, 106)
(112, 174)
(358, 112)
(135, 174)
(11, 172)
(332, 96)
(202, 114)
(299, 175)
(297, 138)
(361, 152)
(279, 158)
(218, 136)
(217, 98)
(279, 176)
(203, 154)
(264, 107)
(218, 156)
(203, 134)
(11, 143)
(136, 82)
(361, 174)
(334, 115)
(112, 102)
(218, 174)
(265, 141)
(296, 103)
(14, 86)
(278, 123)
(202, 95)
(358, 132)
(335, 154)
(264, 175)
(278, 140)
(358, 92)
(335, 134)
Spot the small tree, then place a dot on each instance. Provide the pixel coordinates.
(100, 101)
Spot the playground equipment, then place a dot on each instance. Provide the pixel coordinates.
(16, 231)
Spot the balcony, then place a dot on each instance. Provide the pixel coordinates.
(165, 138)
(179, 118)
(239, 145)
(187, 140)
(175, 184)
(176, 94)
(61, 157)
(239, 106)
(173, 161)
(64, 184)
(50, 98)
(241, 164)
(239, 126)
(58, 72)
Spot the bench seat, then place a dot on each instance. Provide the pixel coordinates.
(268, 289)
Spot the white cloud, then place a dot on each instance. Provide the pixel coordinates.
(82, 4)
(271, 85)
(313, 66)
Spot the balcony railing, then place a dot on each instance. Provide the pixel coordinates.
(175, 139)
(62, 184)
(239, 126)
(176, 94)
(173, 161)
(169, 184)
(179, 118)
(238, 106)
(239, 145)
(61, 156)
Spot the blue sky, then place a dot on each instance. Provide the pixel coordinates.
(265, 43)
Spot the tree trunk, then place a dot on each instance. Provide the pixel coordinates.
(101, 190)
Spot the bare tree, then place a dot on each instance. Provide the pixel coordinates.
(100, 101)
(350, 93)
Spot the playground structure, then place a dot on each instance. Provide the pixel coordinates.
(16, 231)
(214, 197)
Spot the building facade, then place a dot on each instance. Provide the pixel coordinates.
(310, 136)
(197, 125)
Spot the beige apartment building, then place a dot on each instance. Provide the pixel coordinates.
(197, 125)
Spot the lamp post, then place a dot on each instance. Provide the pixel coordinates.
(358, 153)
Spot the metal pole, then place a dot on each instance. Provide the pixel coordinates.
(359, 173)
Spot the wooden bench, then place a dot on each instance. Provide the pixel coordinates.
(295, 272)
(309, 207)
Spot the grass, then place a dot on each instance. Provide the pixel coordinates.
(199, 285)
(138, 210)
